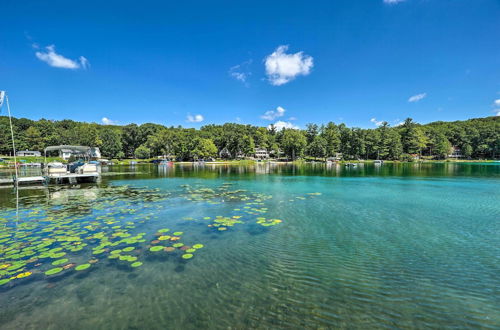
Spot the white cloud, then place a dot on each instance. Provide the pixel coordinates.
(418, 97)
(393, 2)
(59, 61)
(376, 122)
(107, 121)
(282, 68)
(497, 103)
(84, 62)
(292, 118)
(241, 72)
(279, 125)
(194, 119)
(273, 114)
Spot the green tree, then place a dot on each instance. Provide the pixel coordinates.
(293, 143)
(130, 139)
(204, 148)
(441, 145)
(34, 139)
(142, 152)
(409, 137)
(317, 148)
(112, 145)
(331, 134)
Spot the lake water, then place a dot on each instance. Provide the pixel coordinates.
(266, 246)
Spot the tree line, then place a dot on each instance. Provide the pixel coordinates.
(477, 138)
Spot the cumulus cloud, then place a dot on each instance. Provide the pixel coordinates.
(194, 119)
(497, 112)
(497, 103)
(273, 114)
(392, 2)
(56, 60)
(241, 72)
(107, 121)
(377, 122)
(279, 125)
(282, 68)
(416, 98)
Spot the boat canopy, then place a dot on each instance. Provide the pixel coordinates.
(66, 148)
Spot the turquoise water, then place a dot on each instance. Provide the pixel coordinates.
(395, 246)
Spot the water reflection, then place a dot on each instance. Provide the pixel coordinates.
(329, 169)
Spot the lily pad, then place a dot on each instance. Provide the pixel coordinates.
(198, 246)
(156, 248)
(82, 267)
(54, 271)
(60, 262)
(4, 281)
(136, 264)
(187, 256)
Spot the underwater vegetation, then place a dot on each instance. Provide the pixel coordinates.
(44, 241)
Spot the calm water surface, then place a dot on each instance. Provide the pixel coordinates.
(393, 246)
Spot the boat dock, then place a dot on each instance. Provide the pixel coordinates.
(68, 178)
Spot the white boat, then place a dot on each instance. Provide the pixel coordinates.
(56, 168)
(87, 168)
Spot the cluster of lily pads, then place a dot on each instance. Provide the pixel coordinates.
(52, 239)
(169, 243)
(73, 236)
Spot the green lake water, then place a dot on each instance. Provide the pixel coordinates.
(267, 246)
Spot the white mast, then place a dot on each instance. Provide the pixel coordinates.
(3, 95)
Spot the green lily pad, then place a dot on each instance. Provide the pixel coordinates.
(57, 255)
(198, 246)
(187, 256)
(54, 271)
(60, 262)
(178, 233)
(4, 281)
(164, 230)
(156, 248)
(82, 267)
(128, 249)
(190, 250)
(178, 245)
(136, 264)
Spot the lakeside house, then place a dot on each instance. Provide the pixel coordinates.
(28, 153)
(261, 153)
(455, 152)
(66, 152)
(224, 153)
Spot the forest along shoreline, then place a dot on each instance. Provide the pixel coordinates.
(474, 139)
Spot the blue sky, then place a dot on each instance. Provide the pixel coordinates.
(192, 63)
